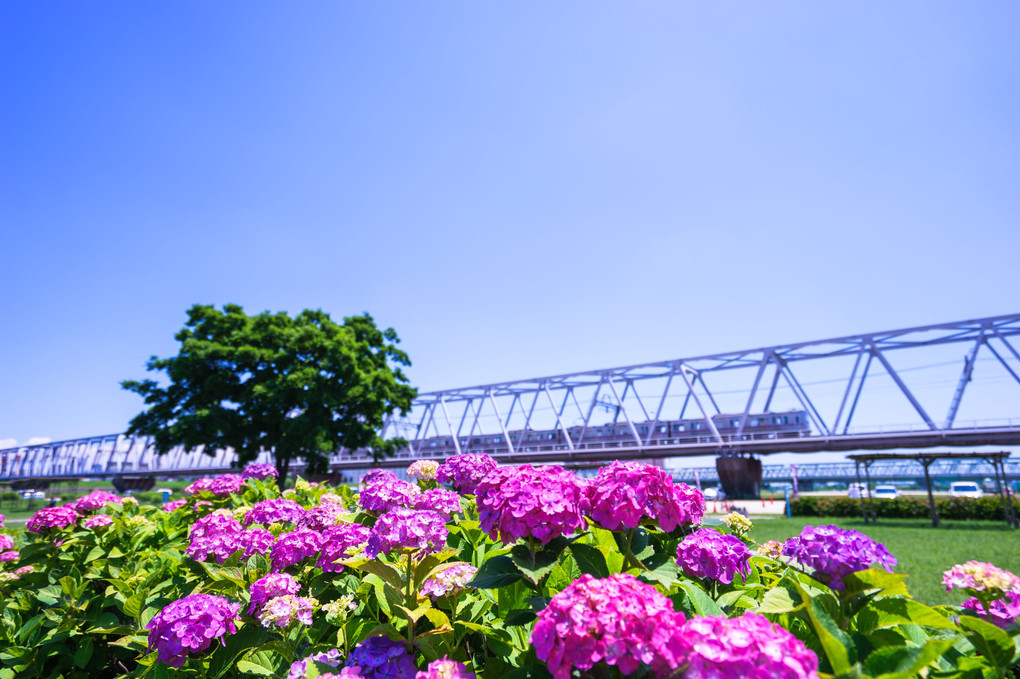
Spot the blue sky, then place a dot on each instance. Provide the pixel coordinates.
(518, 190)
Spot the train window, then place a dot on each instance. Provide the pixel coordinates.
(662, 429)
(696, 426)
(551, 436)
(643, 430)
(754, 422)
(734, 423)
(681, 427)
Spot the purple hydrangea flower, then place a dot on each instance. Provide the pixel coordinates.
(255, 541)
(174, 505)
(226, 484)
(1002, 612)
(386, 492)
(707, 553)
(9, 556)
(97, 521)
(189, 625)
(749, 646)
(692, 503)
(618, 620)
(380, 657)
(97, 499)
(260, 472)
(202, 484)
(449, 581)
(336, 541)
(269, 512)
(214, 535)
(438, 500)
(464, 472)
(402, 528)
(322, 516)
(539, 502)
(6, 542)
(374, 475)
(52, 517)
(291, 548)
(444, 668)
(269, 587)
(299, 668)
(834, 553)
(625, 493)
(284, 610)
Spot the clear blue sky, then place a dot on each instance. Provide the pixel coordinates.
(519, 189)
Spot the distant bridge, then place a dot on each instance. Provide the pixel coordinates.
(508, 420)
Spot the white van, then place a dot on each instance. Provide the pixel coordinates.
(965, 489)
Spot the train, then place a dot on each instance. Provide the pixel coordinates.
(790, 424)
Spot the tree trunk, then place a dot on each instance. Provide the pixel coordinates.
(282, 469)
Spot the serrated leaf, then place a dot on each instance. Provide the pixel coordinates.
(893, 611)
(83, 653)
(989, 640)
(519, 616)
(590, 560)
(496, 572)
(702, 603)
(534, 565)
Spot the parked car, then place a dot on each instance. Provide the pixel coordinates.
(965, 489)
(33, 495)
(888, 492)
(710, 493)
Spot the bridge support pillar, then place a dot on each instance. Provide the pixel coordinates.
(740, 477)
(122, 484)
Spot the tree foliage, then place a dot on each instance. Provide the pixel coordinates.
(302, 387)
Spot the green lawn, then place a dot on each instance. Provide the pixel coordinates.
(923, 552)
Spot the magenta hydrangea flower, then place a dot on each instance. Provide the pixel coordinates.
(269, 512)
(269, 587)
(444, 668)
(284, 610)
(2, 520)
(9, 556)
(618, 620)
(981, 577)
(296, 546)
(97, 499)
(834, 553)
(189, 625)
(174, 505)
(1003, 612)
(260, 472)
(215, 535)
(625, 493)
(707, 553)
(299, 668)
(6, 542)
(97, 521)
(336, 541)
(52, 517)
(226, 484)
(255, 541)
(322, 516)
(450, 581)
(411, 529)
(379, 657)
(383, 493)
(464, 472)
(374, 475)
(692, 503)
(204, 483)
(749, 646)
(438, 500)
(539, 502)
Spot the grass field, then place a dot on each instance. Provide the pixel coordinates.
(923, 552)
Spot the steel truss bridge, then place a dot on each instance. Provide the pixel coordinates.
(847, 387)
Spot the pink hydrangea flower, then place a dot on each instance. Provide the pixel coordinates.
(174, 505)
(189, 625)
(423, 470)
(464, 472)
(284, 610)
(410, 529)
(6, 542)
(692, 503)
(204, 483)
(618, 620)
(52, 517)
(438, 500)
(97, 521)
(336, 541)
(9, 556)
(268, 512)
(2, 520)
(97, 499)
(383, 493)
(625, 493)
(444, 668)
(214, 535)
(750, 647)
(980, 577)
(269, 587)
(707, 553)
(1003, 612)
(539, 502)
(834, 553)
(451, 581)
(294, 547)
(255, 541)
(322, 516)
(260, 472)
(226, 484)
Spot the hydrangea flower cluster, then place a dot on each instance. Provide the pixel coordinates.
(444, 668)
(707, 553)
(322, 516)
(1002, 612)
(401, 528)
(291, 548)
(980, 577)
(738, 523)
(6, 542)
(539, 502)
(51, 517)
(336, 541)
(773, 549)
(374, 475)
(174, 505)
(749, 646)
(338, 610)
(284, 610)
(299, 668)
(189, 625)
(97, 521)
(834, 553)
(226, 484)
(267, 512)
(379, 657)
(269, 587)
(465, 472)
(692, 502)
(423, 470)
(97, 499)
(625, 493)
(260, 472)
(449, 581)
(255, 541)
(618, 620)
(438, 500)
(383, 493)
(202, 484)
(214, 535)
(9, 556)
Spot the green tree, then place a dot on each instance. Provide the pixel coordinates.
(301, 387)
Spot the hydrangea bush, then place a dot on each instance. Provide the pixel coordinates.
(517, 572)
